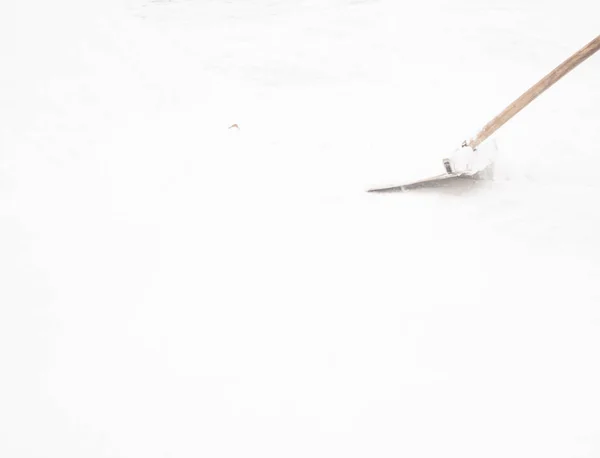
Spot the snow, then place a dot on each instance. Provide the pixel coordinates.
(173, 287)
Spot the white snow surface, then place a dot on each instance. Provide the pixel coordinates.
(170, 287)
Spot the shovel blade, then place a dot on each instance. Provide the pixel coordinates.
(444, 180)
(462, 169)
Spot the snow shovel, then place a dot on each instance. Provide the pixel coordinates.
(470, 162)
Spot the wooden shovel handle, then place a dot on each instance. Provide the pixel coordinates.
(535, 91)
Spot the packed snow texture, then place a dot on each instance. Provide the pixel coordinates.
(170, 287)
